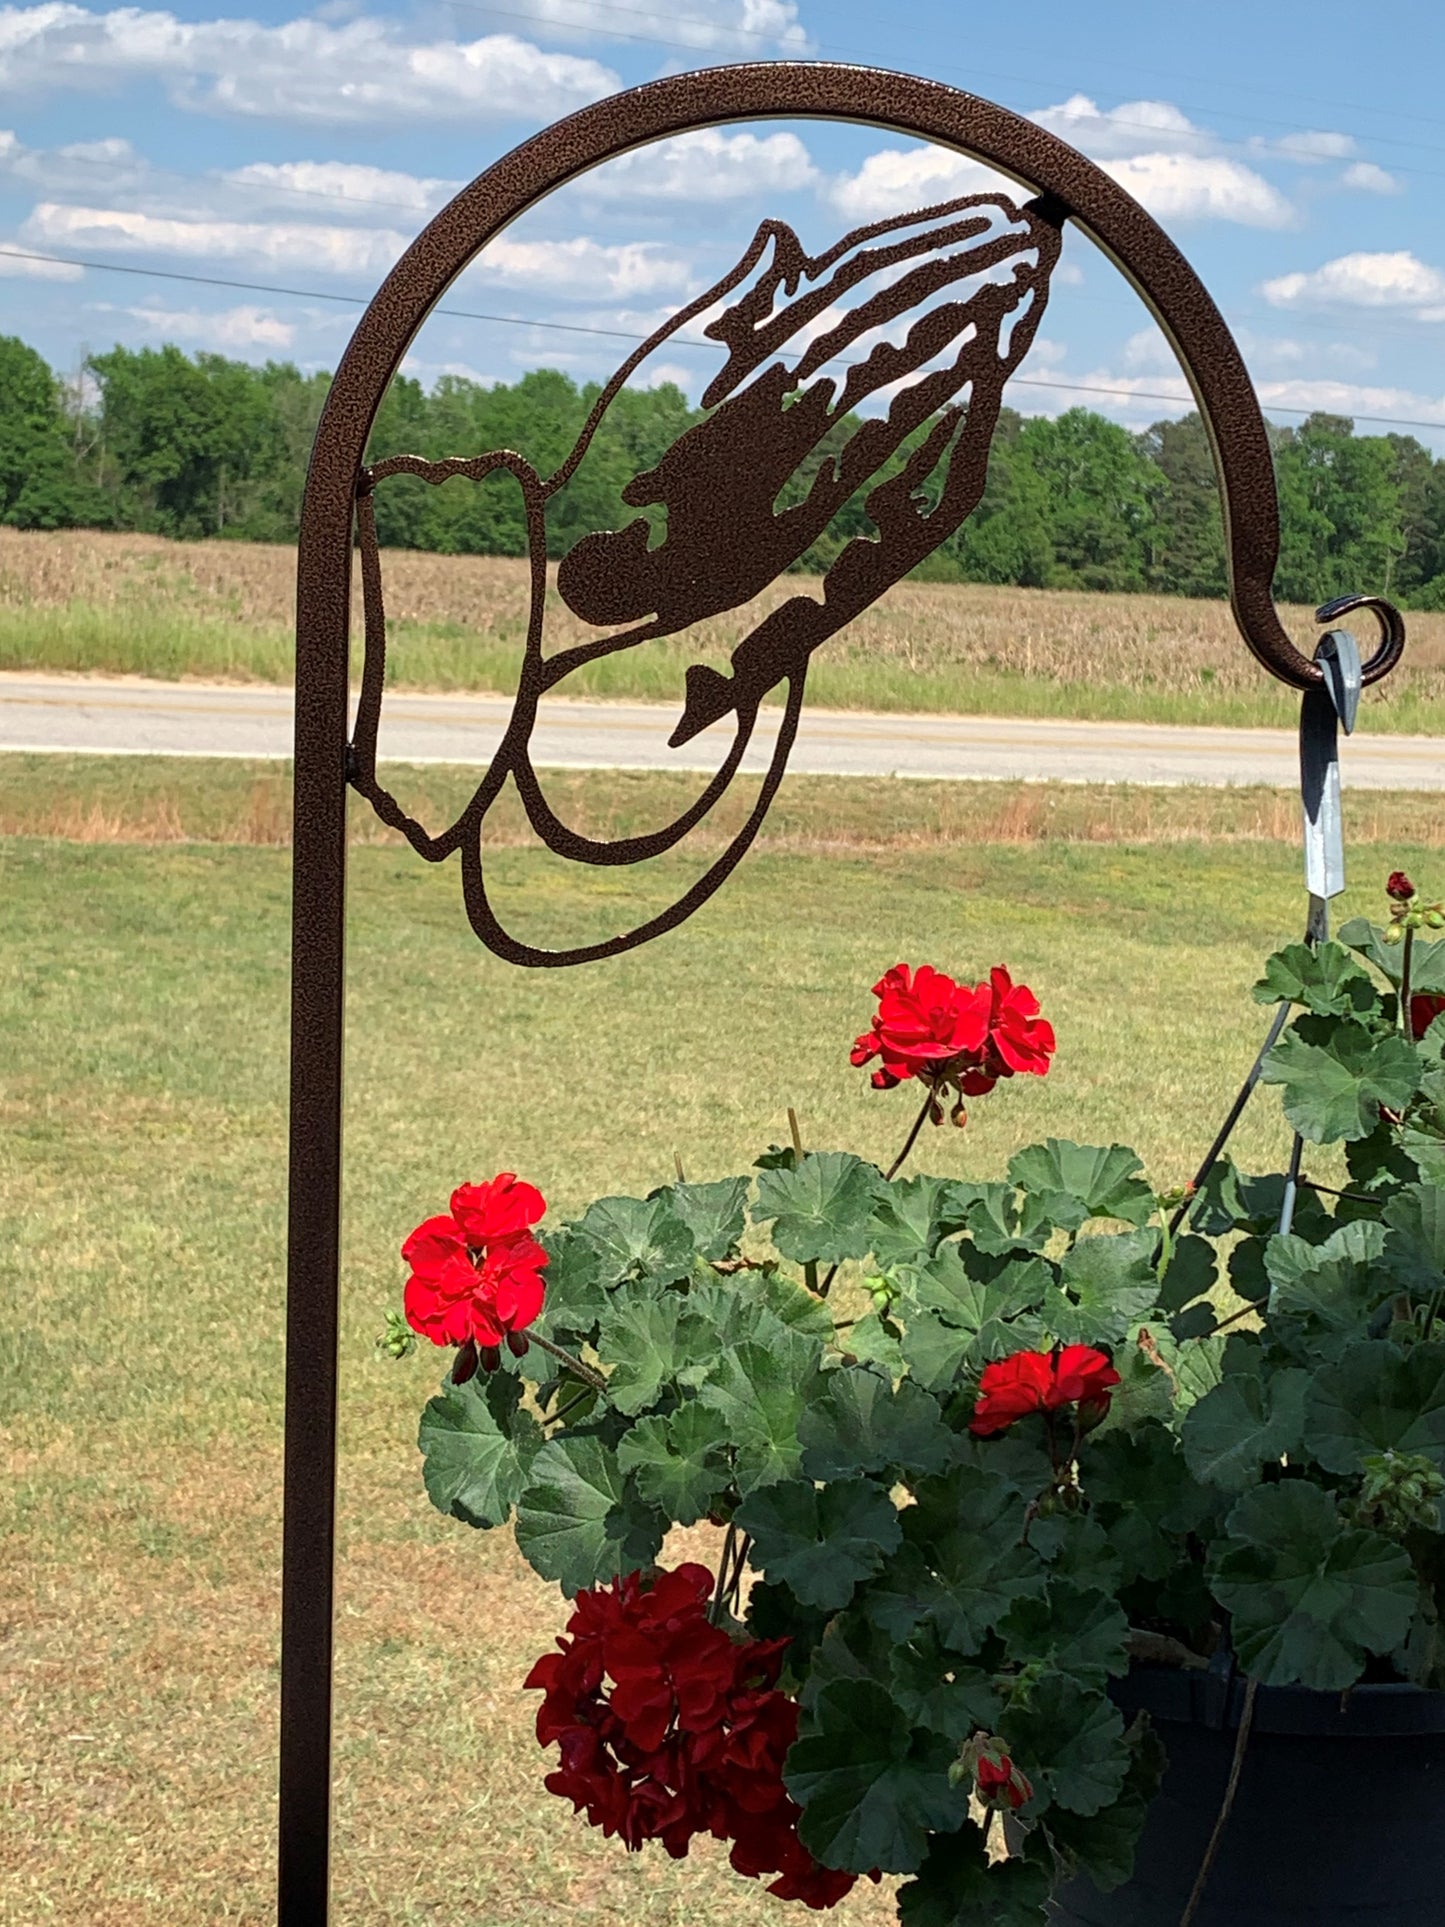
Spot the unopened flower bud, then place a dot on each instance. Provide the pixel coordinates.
(491, 1357)
(1399, 887)
(398, 1340)
(464, 1365)
(958, 1116)
(1435, 919)
(1393, 933)
(517, 1344)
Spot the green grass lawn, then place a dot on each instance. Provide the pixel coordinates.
(142, 1092)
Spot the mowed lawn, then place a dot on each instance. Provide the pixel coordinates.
(142, 1091)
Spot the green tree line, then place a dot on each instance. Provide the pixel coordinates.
(199, 445)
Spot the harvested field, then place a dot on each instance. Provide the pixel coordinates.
(142, 605)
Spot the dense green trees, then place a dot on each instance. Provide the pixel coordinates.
(203, 446)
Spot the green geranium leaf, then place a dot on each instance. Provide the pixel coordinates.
(1103, 1846)
(637, 1238)
(861, 1424)
(1326, 980)
(1069, 1740)
(1335, 1074)
(715, 1214)
(822, 1212)
(930, 1684)
(788, 1301)
(477, 1460)
(876, 1341)
(677, 1461)
(820, 1541)
(913, 1215)
(1377, 1398)
(1309, 1596)
(1427, 964)
(580, 1520)
(1415, 1241)
(872, 1788)
(959, 1886)
(964, 1309)
(1192, 1272)
(1337, 1284)
(1075, 1630)
(962, 1564)
(995, 1222)
(760, 1392)
(1108, 1285)
(651, 1342)
(576, 1297)
(1143, 1494)
(1081, 1181)
(1426, 1151)
(1246, 1422)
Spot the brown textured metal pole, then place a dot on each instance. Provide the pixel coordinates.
(314, 1219)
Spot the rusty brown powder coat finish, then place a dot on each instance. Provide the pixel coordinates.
(726, 539)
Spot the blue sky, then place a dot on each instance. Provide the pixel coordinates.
(1297, 154)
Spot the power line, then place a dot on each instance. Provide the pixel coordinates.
(620, 334)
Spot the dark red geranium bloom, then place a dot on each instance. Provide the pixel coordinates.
(1399, 887)
(477, 1274)
(1001, 1784)
(1425, 1007)
(667, 1729)
(1041, 1382)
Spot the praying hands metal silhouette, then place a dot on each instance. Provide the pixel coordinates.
(924, 317)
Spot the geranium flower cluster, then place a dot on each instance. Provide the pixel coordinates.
(952, 1035)
(668, 1728)
(476, 1276)
(1027, 1382)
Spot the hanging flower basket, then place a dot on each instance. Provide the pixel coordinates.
(1093, 1488)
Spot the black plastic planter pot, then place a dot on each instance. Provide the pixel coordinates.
(1339, 1820)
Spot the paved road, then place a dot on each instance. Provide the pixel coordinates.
(131, 717)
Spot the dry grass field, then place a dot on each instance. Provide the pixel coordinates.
(138, 604)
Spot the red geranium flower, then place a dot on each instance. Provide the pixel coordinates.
(1001, 1784)
(951, 1035)
(1425, 1007)
(924, 1021)
(668, 1728)
(1399, 887)
(477, 1274)
(1041, 1382)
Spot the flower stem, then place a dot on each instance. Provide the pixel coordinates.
(912, 1138)
(810, 1269)
(1405, 960)
(714, 1611)
(740, 1565)
(574, 1365)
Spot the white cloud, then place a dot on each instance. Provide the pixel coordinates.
(896, 179)
(745, 28)
(1370, 179)
(706, 166)
(226, 329)
(1309, 147)
(310, 247)
(1353, 398)
(361, 72)
(294, 246)
(15, 263)
(1398, 280)
(1194, 187)
(1152, 149)
(1134, 127)
(341, 182)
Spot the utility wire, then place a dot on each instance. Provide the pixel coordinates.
(620, 334)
